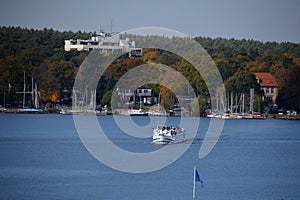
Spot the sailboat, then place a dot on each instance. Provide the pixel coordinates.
(36, 101)
(252, 114)
(83, 106)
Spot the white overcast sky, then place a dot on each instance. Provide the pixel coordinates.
(263, 20)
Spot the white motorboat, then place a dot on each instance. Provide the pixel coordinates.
(134, 112)
(157, 113)
(167, 134)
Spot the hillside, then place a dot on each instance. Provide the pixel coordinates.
(40, 53)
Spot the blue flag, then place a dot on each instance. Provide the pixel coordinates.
(198, 178)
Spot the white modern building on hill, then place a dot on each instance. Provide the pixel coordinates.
(105, 43)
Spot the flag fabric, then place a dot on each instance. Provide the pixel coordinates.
(198, 178)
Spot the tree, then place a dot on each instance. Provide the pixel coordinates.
(258, 105)
(106, 100)
(289, 95)
(242, 82)
(167, 97)
(41, 54)
(199, 105)
(227, 69)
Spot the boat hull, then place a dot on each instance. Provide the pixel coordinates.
(162, 139)
(138, 114)
(31, 111)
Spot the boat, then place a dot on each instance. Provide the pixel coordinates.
(167, 134)
(2, 109)
(86, 105)
(32, 110)
(254, 115)
(135, 112)
(158, 113)
(36, 100)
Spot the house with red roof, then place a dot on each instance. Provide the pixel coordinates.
(270, 86)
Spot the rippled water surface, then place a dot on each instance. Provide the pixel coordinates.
(42, 157)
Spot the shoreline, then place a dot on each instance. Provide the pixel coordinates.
(284, 117)
(55, 111)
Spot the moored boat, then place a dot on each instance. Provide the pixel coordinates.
(134, 112)
(36, 104)
(158, 113)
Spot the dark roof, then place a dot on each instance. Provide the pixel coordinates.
(145, 87)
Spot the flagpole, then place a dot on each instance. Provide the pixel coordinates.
(194, 186)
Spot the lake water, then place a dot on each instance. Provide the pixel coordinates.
(42, 157)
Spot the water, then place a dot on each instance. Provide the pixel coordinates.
(42, 157)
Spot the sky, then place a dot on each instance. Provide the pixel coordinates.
(262, 20)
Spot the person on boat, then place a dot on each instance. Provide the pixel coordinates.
(173, 132)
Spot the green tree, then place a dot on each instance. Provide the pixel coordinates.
(289, 95)
(106, 100)
(242, 82)
(258, 105)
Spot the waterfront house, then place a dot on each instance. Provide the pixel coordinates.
(269, 85)
(142, 95)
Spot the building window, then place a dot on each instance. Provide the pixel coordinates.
(267, 90)
(272, 90)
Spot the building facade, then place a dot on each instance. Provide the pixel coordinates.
(270, 86)
(105, 43)
(140, 96)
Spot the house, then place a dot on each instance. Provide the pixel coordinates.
(142, 95)
(270, 86)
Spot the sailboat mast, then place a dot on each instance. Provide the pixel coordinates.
(24, 91)
(228, 102)
(231, 102)
(158, 102)
(36, 97)
(243, 105)
(251, 99)
(74, 99)
(236, 102)
(94, 100)
(92, 105)
(217, 101)
(32, 92)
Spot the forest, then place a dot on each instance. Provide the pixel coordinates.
(40, 53)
